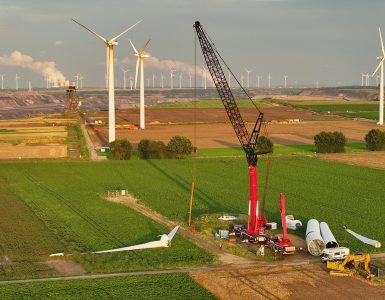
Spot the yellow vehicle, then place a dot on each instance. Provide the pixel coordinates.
(346, 267)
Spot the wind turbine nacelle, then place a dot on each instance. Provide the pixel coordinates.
(115, 43)
(165, 241)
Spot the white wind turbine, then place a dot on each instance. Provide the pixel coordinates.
(258, 78)
(229, 79)
(110, 76)
(248, 77)
(17, 81)
(2, 81)
(180, 80)
(153, 80)
(381, 67)
(172, 78)
(190, 80)
(269, 77)
(285, 76)
(204, 78)
(124, 76)
(140, 61)
(161, 80)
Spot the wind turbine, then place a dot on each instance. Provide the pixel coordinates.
(190, 80)
(2, 81)
(362, 78)
(110, 76)
(77, 80)
(242, 77)
(17, 81)
(180, 80)
(161, 80)
(248, 77)
(367, 79)
(229, 79)
(204, 78)
(29, 86)
(172, 78)
(140, 61)
(153, 80)
(124, 76)
(131, 82)
(285, 76)
(269, 77)
(381, 67)
(81, 80)
(258, 78)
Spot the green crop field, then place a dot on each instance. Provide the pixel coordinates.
(65, 194)
(351, 109)
(47, 211)
(165, 286)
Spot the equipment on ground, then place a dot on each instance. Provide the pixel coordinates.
(314, 241)
(256, 221)
(227, 218)
(283, 244)
(292, 223)
(374, 243)
(346, 267)
(333, 254)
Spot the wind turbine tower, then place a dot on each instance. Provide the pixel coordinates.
(285, 76)
(269, 77)
(2, 81)
(141, 55)
(110, 76)
(229, 79)
(172, 78)
(153, 80)
(258, 78)
(248, 77)
(161, 80)
(17, 81)
(124, 76)
(204, 78)
(180, 80)
(381, 67)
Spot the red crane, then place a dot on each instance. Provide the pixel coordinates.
(284, 244)
(256, 222)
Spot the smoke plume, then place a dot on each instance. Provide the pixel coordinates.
(46, 68)
(167, 64)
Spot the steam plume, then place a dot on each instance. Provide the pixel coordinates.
(46, 68)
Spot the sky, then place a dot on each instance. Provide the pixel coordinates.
(329, 42)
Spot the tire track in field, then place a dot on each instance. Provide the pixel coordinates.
(77, 211)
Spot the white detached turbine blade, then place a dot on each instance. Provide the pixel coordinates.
(119, 35)
(165, 241)
(93, 32)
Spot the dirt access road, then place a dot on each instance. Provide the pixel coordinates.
(236, 277)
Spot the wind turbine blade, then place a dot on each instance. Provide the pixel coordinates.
(119, 35)
(382, 44)
(133, 47)
(144, 47)
(173, 232)
(93, 32)
(379, 65)
(137, 69)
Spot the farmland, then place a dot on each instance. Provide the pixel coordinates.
(310, 186)
(349, 109)
(165, 286)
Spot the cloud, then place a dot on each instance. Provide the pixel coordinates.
(46, 68)
(58, 43)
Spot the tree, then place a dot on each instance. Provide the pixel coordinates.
(120, 149)
(264, 144)
(157, 150)
(179, 147)
(330, 142)
(375, 140)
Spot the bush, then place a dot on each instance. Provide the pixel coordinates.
(148, 149)
(330, 142)
(264, 144)
(120, 149)
(179, 147)
(375, 140)
(143, 148)
(157, 150)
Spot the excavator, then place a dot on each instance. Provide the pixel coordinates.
(347, 266)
